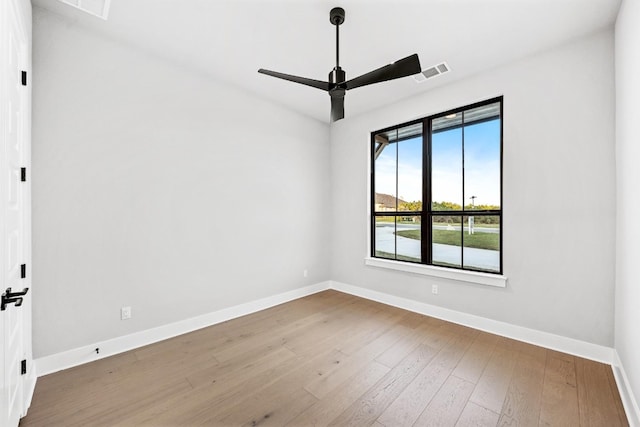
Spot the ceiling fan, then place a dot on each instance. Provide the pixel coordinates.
(338, 85)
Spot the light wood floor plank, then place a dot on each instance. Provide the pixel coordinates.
(244, 366)
(276, 337)
(373, 403)
(207, 401)
(352, 388)
(263, 405)
(476, 358)
(522, 404)
(559, 394)
(278, 409)
(321, 386)
(447, 404)
(374, 327)
(405, 344)
(595, 397)
(477, 416)
(491, 389)
(406, 409)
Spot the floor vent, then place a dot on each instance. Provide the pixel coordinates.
(99, 8)
(430, 72)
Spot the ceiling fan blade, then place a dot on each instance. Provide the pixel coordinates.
(302, 80)
(337, 104)
(337, 109)
(401, 68)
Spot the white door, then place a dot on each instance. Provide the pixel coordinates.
(14, 219)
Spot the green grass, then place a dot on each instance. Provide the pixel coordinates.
(477, 240)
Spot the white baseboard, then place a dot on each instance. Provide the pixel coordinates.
(544, 339)
(67, 359)
(626, 393)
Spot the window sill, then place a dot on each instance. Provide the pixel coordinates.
(479, 278)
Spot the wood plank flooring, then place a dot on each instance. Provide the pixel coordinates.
(332, 359)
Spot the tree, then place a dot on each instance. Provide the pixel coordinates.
(445, 206)
(411, 206)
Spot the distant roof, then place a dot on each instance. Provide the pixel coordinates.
(388, 200)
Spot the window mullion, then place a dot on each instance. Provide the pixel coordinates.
(425, 234)
(463, 200)
(372, 249)
(395, 218)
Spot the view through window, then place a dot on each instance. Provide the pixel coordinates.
(437, 189)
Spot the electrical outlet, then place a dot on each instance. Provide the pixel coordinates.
(434, 289)
(305, 273)
(125, 313)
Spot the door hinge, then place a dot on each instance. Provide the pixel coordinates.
(23, 367)
(23, 271)
(24, 78)
(23, 174)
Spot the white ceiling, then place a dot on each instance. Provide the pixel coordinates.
(231, 39)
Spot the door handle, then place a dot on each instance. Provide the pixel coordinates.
(9, 297)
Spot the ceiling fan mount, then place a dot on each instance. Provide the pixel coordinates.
(336, 16)
(337, 83)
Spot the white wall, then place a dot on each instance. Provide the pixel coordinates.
(559, 193)
(163, 190)
(627, 338)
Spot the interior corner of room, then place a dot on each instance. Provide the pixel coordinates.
(163, 196)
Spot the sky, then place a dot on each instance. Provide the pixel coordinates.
(481, 161)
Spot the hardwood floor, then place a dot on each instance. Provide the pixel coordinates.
(332, 359)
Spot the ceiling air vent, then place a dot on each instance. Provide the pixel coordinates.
(99, 8)
(430, 72)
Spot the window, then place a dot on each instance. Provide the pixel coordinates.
(437, 190)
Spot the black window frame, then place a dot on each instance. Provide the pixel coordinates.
(427, 212)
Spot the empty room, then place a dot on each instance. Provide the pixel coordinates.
(306, 213)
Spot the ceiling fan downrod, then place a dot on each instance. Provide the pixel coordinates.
(336, 17)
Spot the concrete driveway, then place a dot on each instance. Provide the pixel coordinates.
(387, 241)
